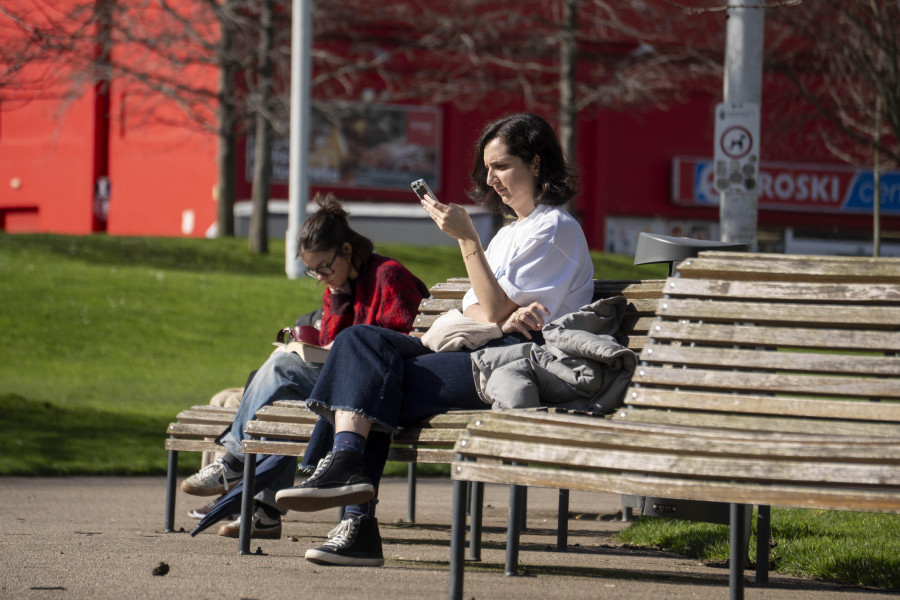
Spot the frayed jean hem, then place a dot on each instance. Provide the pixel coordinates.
(326, 411)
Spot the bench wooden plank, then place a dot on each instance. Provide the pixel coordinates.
(714, 465)
(774, 383)
(735, 358)
(779, 267)
(608, 436)
(687, 488)
(829, 315)
(195, 430)
(767, 405)
(808, 292)
(759, 423)
(181, 445)
(774, 337)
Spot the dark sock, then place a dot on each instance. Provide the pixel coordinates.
(348, 440)
(366, 509)
(270, 511)
(233, 462)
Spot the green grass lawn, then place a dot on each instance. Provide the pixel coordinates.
(104, 339)
(859, 549)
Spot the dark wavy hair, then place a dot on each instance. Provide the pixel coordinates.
(328, 229)
(526, 136)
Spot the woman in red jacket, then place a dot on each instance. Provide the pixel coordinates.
(362, 288)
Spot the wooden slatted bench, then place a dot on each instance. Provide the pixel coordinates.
(194, 430)
(287, 425)
(767, 380)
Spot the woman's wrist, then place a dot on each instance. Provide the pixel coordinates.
(469, 248)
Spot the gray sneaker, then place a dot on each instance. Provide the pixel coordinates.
(211, 480)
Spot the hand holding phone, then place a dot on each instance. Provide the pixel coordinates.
(452, 219)
(421, 188)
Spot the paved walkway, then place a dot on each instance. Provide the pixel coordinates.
(68, 538)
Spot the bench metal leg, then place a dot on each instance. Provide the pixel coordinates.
(171, 475)
(246, 529)
(562, 521)
(457, 539)
(516, 504)
(763, 535)
(476, 507)
(411, 491)
(523, 509)
(737, 551)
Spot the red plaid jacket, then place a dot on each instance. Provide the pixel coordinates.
(385, 294)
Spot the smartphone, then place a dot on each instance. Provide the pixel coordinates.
(421, 188)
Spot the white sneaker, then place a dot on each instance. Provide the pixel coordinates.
(211, 480)
(264, 527)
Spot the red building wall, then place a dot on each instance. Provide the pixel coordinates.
(162, 178)
(47, 166)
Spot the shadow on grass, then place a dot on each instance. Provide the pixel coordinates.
(45, 438)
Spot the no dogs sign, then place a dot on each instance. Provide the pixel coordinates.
(737, 147)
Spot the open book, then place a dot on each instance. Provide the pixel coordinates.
(303, 341)
(308, 352)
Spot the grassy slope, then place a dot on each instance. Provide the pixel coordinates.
(104, 339)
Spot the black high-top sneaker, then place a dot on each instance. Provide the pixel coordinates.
(356, 542)
(338, 481)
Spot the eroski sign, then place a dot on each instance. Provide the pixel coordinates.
(799, 187)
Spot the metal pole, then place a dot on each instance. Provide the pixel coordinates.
(736, 556)
(298, 177)
(171, 475)
(743, 85)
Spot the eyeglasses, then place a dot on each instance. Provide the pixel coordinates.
(323, 270)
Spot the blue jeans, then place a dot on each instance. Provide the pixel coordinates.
(393, 380)
(284, 376)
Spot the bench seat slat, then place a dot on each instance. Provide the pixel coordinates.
(209, 417)
(450, 289)
(759, 382)
(759, 423)
(279, 430)
(194, 429)
(287, 414)
(722, 465)
(786, 337)
(619, 423)
(783, 494)
(273, 447)
(182, 445)
(678, 441)
(768, 405)
(432, 306)
(697, 356)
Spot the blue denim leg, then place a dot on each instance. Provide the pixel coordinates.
(364, 374)
(284, 376)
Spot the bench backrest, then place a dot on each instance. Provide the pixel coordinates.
(642, 296)
(767, 380)
(783, 338)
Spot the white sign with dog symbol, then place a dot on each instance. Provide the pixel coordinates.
(737, 147)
